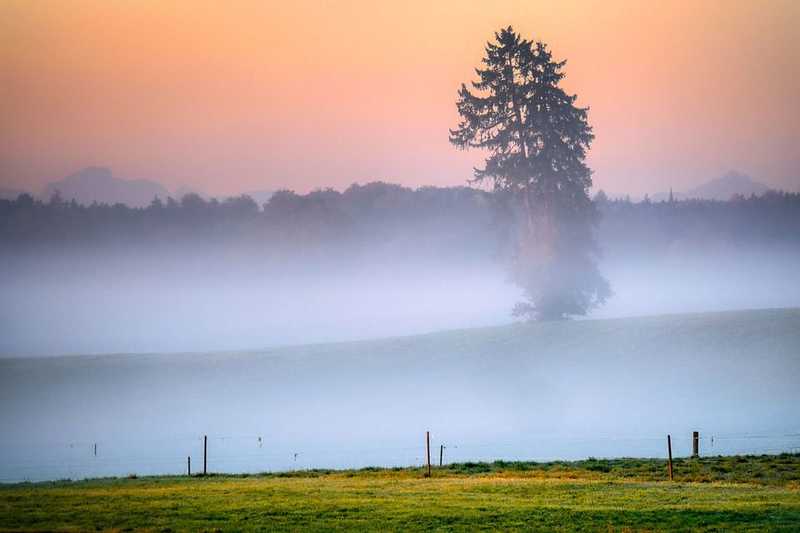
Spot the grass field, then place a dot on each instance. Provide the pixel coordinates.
(755, 493)
(486, 393)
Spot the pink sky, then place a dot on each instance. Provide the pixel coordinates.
(232, 96)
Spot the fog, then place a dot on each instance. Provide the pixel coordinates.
(134, 303)
(123, 301)
(755, 278)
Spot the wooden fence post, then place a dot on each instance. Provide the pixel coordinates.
(189, 466)
(428, 451)
(695, 444)
(669, 453)
(205, 454)
(441, 453)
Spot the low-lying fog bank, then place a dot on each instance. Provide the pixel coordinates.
(128, 302)
(371, 261)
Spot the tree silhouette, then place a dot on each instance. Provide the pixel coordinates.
(537, 141)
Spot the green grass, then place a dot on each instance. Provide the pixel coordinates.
(711, 494)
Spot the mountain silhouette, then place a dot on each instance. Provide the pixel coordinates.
(722, 188)
(97, 184)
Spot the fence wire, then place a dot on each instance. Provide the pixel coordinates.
(255, 453)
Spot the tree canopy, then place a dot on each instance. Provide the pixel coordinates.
(537, 139)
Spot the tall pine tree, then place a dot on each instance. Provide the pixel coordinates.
(537, 141)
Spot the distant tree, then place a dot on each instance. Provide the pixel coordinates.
(537, 141)
(283, 203)
(601, 197)
(56, 200)
(25, 201)
(242, 205)
(193, 202)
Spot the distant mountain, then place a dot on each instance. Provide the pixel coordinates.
(10, 194)
(721, 188)
(726, 186)
(97, 184)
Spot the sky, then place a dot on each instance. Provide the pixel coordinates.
(225, 97)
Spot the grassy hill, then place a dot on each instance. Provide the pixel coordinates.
(564, 390)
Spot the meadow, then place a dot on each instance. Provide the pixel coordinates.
(542, 391)
(745, 493)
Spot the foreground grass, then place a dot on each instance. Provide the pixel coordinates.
(722, 493)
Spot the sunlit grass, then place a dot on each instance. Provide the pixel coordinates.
(751, 493)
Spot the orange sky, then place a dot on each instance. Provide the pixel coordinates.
(233, 96)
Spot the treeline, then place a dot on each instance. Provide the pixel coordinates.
(378, 215)
(389, 217)
(772, 219)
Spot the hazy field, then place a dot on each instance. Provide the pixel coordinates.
(713, 494)
(544, 391)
